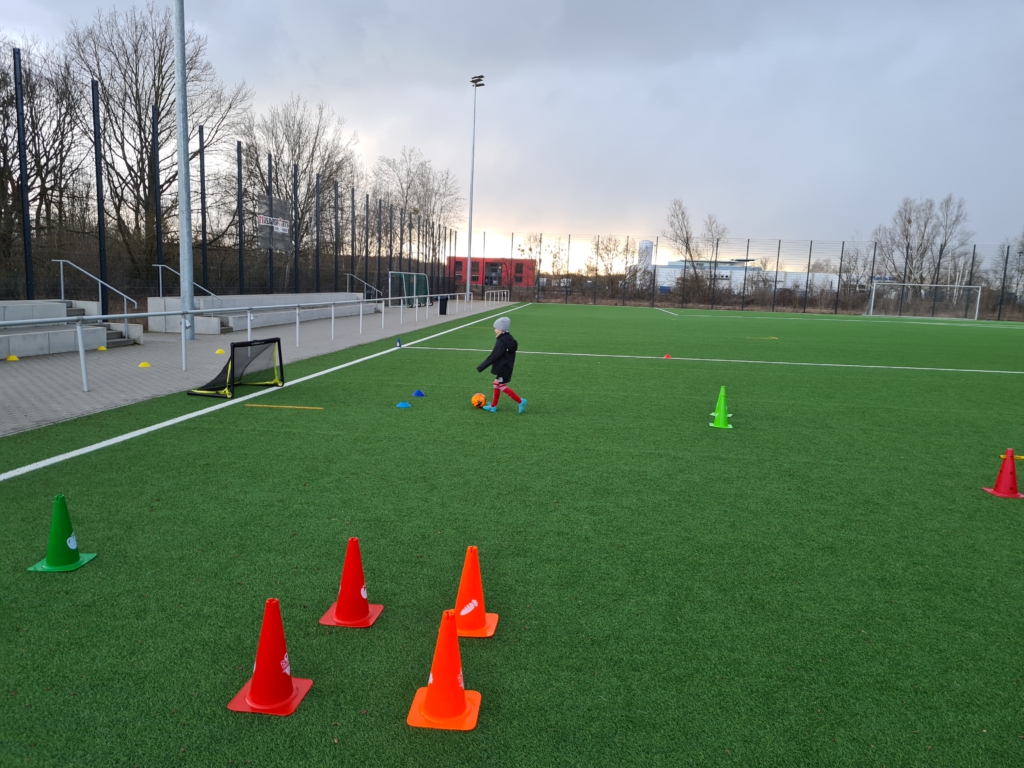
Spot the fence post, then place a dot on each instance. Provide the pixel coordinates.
(81, 356)
(903, 285)
(101, 223)
(26, 222)
(297, 340)
(270, 213)
(1002, 288)
(332, 321)
(295, 222)
(935, 282)
(597, 258)
(807, 277)
(361, 315)
(366, 244)
(970, 280)
(380, 222)
(714, 273)
(775, 287)
(839, 277)
(202, 205)
(352, 243)
(746, 261)
(157, 213)
(337, 237)
(317, 265)
(241, 223)
(184, 330)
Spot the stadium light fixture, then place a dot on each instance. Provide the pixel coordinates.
(477, 81)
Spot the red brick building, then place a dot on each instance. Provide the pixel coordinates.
(494, 273)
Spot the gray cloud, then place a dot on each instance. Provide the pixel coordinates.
(787, 119)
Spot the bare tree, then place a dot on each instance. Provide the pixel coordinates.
(131, 53)
(678, 229)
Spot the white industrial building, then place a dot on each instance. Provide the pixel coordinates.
(729, 275)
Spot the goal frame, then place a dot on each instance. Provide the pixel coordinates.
(224, 384)
(415, 297)
(918, 286)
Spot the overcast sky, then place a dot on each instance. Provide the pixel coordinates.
(785, 119)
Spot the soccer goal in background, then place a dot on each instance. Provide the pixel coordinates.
(916, 300)
(410, 289)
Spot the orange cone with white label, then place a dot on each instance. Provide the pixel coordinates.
(271, 690)
(472, 620)
(352, 609)
(445, 703)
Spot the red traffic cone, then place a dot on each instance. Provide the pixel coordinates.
(352, 609)
(445, 703)
(471, 619)
(1006, 482)
(271, 690)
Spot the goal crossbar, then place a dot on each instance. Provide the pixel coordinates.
(929, 302)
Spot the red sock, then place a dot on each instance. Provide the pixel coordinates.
(508, 391)
(497, 394)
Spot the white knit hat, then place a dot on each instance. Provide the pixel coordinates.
(502, 323)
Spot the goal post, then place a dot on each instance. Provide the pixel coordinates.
(924, 300)
(256, 363)
(409, 288)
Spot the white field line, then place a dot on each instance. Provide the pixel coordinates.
(752, 362)
(939, 322)
(674, 314)
(235, 401)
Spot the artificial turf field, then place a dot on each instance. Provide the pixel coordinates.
(824, 584)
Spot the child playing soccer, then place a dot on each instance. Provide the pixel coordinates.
(501, 360)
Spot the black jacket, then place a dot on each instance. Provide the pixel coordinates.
(502, 358)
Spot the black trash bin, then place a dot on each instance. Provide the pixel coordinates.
(442, 303)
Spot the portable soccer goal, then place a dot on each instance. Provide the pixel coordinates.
(410, 288)
(917, 300)
(250, 364)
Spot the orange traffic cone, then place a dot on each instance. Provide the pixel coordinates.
(352, 609)
(271, 690)
(1006, 482)
(445, 703)
(472, 620)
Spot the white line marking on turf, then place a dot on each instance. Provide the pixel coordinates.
(667, 312)
(179, 419)
(752, 362)
(938, 322)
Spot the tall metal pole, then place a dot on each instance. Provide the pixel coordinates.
(295, 214)
(380, 233)
(184, 185)
(746, 261)
(903, 285)
(156, 189)
(202, 205)
(366, 244)
(874, 253)
(241, 222)
(391, 239)
(401, 236)
(714, 273)
(26, 224)
(101, 220)
(476, 82)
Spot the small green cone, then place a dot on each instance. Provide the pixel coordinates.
(721, 413)
(62, 551)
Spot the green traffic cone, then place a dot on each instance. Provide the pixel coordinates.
(62, 552)
(721, 413)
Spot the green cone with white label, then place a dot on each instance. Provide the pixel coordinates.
(721, 413)
(62, 552)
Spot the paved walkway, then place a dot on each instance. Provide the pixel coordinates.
(36, 391)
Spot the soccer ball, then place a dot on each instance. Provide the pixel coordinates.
(478, 400)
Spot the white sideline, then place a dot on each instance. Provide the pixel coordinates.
(179, 419)
(725, 360)
(942, 322)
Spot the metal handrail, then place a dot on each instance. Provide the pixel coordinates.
(124, 296)
(379, 293)
(161, 276)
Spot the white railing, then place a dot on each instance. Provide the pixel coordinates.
(160, 271)
(124, 296)
(494, 297)
(375, 293)
(187, 319)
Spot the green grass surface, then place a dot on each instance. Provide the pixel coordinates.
(824, 584)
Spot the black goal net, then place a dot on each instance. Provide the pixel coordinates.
(250, 364)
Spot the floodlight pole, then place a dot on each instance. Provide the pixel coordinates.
(184, 186)
(476, 82)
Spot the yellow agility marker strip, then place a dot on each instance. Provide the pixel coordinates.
(1018, 458)
(292, 407)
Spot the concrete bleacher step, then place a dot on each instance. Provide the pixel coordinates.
(115, 339)
(76, 312)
